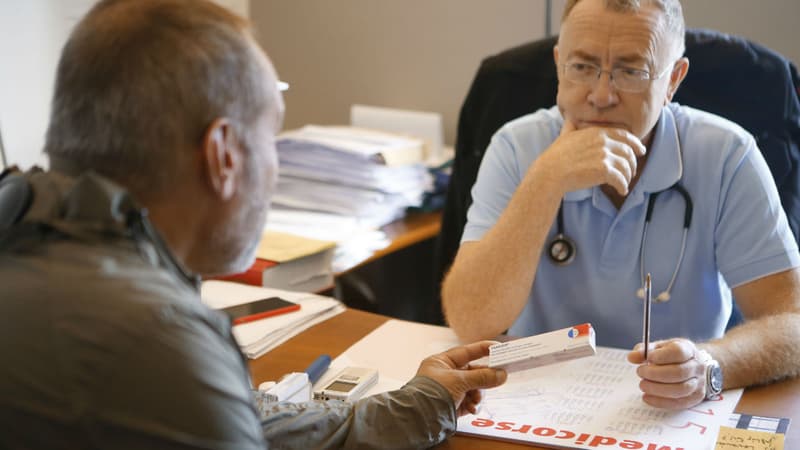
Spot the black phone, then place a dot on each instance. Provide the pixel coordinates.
(259, 309)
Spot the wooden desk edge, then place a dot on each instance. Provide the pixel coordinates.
(411, 229)
(300, 351)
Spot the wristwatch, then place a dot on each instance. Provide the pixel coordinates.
(713, 373)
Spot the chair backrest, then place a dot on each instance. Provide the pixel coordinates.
(728, 75)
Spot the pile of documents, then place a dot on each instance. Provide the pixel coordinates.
(258, 337)
(355, 241)
(368, 175)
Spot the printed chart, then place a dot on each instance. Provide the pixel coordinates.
(593, 403)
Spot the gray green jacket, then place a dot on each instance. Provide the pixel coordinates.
(105, 344)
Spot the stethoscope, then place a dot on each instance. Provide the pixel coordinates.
(562, 249)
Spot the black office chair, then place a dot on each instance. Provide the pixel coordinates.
(728, 75)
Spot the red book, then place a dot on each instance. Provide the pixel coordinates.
(289, 262)
(254, 275)
(307, 274)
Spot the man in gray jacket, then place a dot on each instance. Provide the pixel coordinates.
(161, 143)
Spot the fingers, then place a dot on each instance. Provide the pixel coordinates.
(626, 137)
(621, 150)
(460, 356)
(470, 403)
(618, 173)
(636, 356)
(681, 389)
(594, 156)
(483, 378)
(672, 352)
(673, 403)
(671, 377)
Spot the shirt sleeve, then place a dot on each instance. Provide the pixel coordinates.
(419, 415)
(498, 178)
(752, 234)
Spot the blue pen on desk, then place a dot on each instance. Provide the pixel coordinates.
(317, 368)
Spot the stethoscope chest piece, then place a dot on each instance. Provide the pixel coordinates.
(562, 250)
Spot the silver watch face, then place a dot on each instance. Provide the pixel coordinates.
(714, 382)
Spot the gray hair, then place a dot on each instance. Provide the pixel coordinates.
(673, 16)
(140, 81)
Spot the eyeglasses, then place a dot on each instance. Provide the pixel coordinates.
(622, 78)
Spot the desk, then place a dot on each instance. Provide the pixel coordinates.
(339, 333)
(410, 230)
(399, 280)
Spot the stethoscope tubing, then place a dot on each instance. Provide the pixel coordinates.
(562, 249)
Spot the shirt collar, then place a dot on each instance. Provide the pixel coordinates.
(664, 165)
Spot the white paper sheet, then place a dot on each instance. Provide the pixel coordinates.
(258, 337)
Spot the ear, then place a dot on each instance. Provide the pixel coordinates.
(679, 72)
(222, 157)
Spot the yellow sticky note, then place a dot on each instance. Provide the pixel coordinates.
(283, 247)
(738, 439)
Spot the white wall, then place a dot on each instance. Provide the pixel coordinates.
(33, 32)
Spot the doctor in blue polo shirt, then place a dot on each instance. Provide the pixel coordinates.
(575, 204)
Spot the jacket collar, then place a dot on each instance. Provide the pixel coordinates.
(92, 208)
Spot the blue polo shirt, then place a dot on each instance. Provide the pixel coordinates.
(738, 232)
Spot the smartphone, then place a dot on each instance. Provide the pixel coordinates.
(259, 309)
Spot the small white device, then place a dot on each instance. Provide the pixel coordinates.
(293, 387)
(348, 385)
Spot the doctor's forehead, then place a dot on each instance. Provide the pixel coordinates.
(593, 32)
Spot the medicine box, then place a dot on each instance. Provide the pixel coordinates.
(542, 349)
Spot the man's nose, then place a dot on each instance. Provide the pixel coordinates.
(603, 93)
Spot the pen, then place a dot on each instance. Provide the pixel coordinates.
(648, 299)
(317, 368)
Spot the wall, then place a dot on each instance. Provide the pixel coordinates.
(38, 29)
(771, 23)
(422, 55)
(411, 54)
(33, 33)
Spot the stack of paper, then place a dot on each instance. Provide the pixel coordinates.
(370, 175)
(355, 241)
(258, 337)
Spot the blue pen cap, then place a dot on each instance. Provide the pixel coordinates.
(318, 367)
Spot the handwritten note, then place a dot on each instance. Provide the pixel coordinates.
(736, 439)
